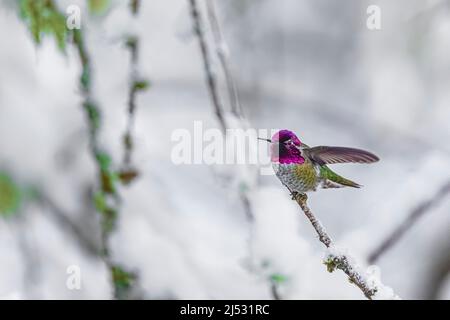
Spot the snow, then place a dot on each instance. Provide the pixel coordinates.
(182, 228)
(370, 276)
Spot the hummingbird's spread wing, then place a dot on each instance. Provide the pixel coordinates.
(328, 155)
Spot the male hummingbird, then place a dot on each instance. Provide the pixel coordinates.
(302, 168)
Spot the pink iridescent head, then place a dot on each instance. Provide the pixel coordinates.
(285, 148)
(286, 136)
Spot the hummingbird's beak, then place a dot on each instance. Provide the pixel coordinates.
(263, 139)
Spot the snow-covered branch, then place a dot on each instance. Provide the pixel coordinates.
(336, 258)
(207, 65)
(223, 55)
(233, 119)
(213, 89)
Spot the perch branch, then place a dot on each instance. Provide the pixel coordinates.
(340, 261)
(412, 218)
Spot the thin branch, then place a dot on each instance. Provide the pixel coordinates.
(274, 291)
(215, 96)
(247, 206)
(439, 271)
(128, 143)
(106, 199)
(222, 52)
(32, 259)
(211, 79)
(92, 113)
(62, 217)
(207, 65)
(212, 83)
(336, 261)
(137, 84)
(412, 218)
(135, 6)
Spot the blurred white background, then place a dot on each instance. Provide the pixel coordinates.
(309, 66)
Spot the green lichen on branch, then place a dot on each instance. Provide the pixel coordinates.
(105, 198)
(278, 278)
(139, 85)
(127, 176)
(98, 6)
(135, 5)
(10, 196)
(128, 172)
(332, 263)
(123, 281)
(43, 18)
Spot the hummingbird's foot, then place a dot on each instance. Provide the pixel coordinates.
(294, 195)
(303, 197)
(299, 197)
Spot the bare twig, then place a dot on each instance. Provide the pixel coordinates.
(212, 83)
(274, 291)
(333, 261)
(410, 220)
(439, 270)
(90, 246)
(247, 206)
(215, 96)
(207, 65)
(222, 53)
(211, 79)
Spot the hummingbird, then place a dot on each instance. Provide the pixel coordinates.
(303, 169)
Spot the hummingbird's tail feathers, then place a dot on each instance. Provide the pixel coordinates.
(333, 180)
(328, 184)
(329, 155)
(350, 183)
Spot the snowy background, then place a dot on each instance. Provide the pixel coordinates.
(309, 66)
